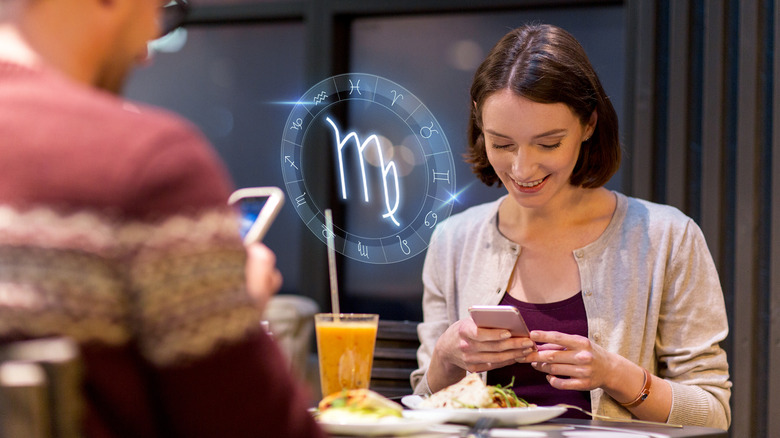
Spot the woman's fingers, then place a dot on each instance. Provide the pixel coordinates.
(570, 361)
(487, 366)
(483, 356)
(488, 334)
(555, 356)
(580, 370)
(483, 349)
(566, 341)
(544, 347)
(573, 384)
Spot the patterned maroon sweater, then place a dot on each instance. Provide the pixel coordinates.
(114, 231)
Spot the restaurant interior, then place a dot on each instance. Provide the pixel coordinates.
(693, 83)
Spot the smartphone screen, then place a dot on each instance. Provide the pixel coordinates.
(249, 209)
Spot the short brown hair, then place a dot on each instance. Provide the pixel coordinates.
(546, 64)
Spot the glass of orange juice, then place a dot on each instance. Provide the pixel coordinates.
(345, 347)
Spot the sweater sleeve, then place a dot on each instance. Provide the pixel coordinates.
(692, 324)
(435, 320)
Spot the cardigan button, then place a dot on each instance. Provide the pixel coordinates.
(579, 253)
(588, 293)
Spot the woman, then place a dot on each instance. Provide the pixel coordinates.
(621, 295)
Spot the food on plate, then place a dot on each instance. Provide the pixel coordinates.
(358, 406)
(472, 393)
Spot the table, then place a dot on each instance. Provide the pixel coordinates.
(573, 428)
(641, 429)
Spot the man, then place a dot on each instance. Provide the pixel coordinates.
(114, 231)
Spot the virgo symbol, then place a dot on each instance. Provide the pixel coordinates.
(386, 169)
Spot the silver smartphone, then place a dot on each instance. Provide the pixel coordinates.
(503, 317)
(258, 207)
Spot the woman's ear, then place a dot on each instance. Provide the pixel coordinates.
(591, 126)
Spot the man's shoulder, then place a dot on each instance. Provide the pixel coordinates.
(130, 156)
(89, 111)
(120, 116)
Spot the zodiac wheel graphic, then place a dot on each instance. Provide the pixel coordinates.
(393, 168)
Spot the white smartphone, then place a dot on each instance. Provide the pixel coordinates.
(258, 207)
(504, 317)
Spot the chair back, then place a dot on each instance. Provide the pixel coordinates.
(395, 357)
(40, 389)
(291, 323)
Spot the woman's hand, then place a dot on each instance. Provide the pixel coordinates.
(263, 280)
(466, 347)
(588, 366)
(572, 362)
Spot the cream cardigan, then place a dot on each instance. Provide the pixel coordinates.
(651, 294)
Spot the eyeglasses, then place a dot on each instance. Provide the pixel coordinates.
(173, 15)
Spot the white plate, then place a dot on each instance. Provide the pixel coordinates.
(505, 416)
(403, 426)
(453, 430)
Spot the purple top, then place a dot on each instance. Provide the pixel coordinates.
(567, 316)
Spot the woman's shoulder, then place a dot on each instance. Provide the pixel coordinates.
(465, 236)
(471, 218)
(462, 230)
(653, 215)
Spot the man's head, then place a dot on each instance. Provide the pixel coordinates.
(96, 42)
(135, 23)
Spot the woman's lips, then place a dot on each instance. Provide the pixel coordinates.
(530, 186)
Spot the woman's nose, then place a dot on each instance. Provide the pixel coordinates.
(524, 162)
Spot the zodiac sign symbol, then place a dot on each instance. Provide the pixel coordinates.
(404, 246)
(300, 200)
(396, 96)
(354, 87)
(441, 176)
(292, 163)
(320, 97)
(297, 124)
(434, 217)
(326, 233)
(427, 131)
(362, 249)
(385, 169)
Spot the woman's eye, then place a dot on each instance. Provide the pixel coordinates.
(501, 146)
(551, 146)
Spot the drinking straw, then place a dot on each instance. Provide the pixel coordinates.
(334, 285)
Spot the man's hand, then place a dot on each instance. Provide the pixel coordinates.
(263, 280)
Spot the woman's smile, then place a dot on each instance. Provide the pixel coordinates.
(530, 186)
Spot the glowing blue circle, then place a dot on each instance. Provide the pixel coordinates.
(343, 113)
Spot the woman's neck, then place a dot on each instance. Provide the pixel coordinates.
(568, 211)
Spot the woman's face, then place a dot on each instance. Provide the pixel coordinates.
(532, 146)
